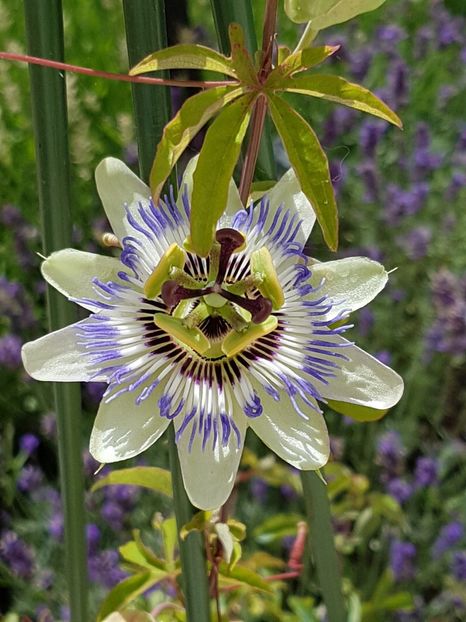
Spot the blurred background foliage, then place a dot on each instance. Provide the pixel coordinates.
(398, 486)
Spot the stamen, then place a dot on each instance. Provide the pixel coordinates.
(231, 241)
(238, 341)
(260, 308)
(265, 274)
(192, 337)
(173, 258)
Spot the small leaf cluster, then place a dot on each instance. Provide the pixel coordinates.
(232, 103)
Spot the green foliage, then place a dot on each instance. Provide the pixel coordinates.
(310, 164)
(324, 13)
(153, 478)
(186, 56)
(341, 91)
(222, 145)
(125, 592)
(185, 125)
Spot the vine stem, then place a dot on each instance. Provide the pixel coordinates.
(260, 109)
(121, 77)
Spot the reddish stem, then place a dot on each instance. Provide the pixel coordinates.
(260, 109)
(121, 77)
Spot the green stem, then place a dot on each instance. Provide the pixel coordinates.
(196, 587)
(145, 33)
(44, 31)
(322, 544)
(240, 11)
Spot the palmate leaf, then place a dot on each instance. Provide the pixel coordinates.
(178, 133)
(340, 91)
(298, 61)
(214, 169)
(185, 56)
(325, 13)
(309, 163)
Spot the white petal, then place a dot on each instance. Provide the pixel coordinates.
(287, 192)
(58, 357)
(209, 475)
(303, 443)
(233, 206)
(351, 283)
(123, 430)
(363, 380)
(118, 186)
(71, 272)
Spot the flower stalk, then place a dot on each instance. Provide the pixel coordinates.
(44, 31)
(146, 32)
(322, 543)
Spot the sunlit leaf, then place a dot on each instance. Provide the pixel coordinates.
(178, 133)
(214, 170)
(170, 539)
(240, 57)
(154, 478)
(132, 554)
(125, 592)
(310, 165)
(241, 577)
(185, 56)
(298, 61)
(325, 13)
(357, 412)
(341, 91)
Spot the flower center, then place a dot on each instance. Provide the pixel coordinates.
(216, 316)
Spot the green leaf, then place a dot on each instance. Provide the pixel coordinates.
(240, 57)
(277, 527)
(211, 179)
(325, 13)
(199, 522)
(239, 576)
(125, 592)
(224, 535)
(310, 165)
(131, 554)
(178, 133)
(340, 91)
(298, 61)
(185, 56)
(154, 478)
(357, 412)
(170, 539)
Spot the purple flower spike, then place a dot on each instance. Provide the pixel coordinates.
(458, 566)
(402, 556)
(29, 443)
(16, 555)
(450, 535)
(426, 472)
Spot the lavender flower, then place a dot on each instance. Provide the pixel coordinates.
(28, 443)
(416, 242)
(458, 566)
(426, 472)
(16, 555)
(56, 526)
(390, 452)
(370, 135)
(10, 352)
(30, 478)
(450, 535)
(402, 556)
(400, 490)
(104, 569)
